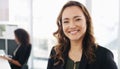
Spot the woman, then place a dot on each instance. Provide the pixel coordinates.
(22, 52)
(76, 48)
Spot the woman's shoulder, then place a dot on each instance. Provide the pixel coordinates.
(53, 50)
(102, 49)
(26, 47)
(105, 57)
(103, 52)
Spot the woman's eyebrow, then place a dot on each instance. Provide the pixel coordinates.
(77, 16)
(65, 19)
(73, 17)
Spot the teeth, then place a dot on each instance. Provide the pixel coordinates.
(73, 32)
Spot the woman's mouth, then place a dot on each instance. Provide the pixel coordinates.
(74, 32)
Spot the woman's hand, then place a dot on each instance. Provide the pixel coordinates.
(5, 58)
(11, 60)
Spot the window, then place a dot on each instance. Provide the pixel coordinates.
(106, 24)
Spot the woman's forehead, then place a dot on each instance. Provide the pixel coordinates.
(73, 11)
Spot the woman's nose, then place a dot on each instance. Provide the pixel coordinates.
(72, 25)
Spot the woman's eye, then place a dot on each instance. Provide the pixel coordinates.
(78, 19)
(66, 22)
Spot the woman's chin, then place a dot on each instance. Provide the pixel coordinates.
(74, 39)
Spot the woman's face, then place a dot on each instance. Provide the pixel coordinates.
(73, 23)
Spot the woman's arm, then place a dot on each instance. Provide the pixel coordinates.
(15, 62)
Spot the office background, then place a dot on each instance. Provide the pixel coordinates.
(38, 17)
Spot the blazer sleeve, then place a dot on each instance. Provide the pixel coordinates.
(108, 62)
(51, 60)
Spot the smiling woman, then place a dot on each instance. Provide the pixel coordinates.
(76, 48)
(74, 25)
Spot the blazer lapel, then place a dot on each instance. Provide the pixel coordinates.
(65, 57)
(83, 63)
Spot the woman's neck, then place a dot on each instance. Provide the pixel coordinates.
(75, 52)
(76, 45)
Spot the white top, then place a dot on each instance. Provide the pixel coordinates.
(4, 64)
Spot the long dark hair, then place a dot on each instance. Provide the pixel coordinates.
(64, 42)
(22, 36)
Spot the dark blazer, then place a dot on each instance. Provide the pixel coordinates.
(104, 60)
(21, 55)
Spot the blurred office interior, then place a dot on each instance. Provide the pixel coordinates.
(38, 17)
